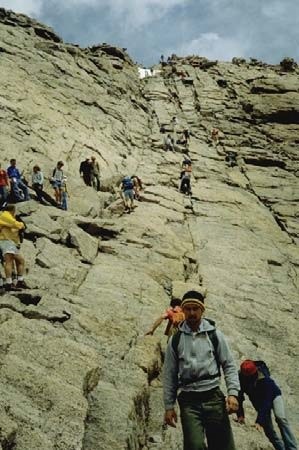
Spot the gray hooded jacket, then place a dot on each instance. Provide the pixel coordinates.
(196, 360)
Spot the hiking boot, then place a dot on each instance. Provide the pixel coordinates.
(22, 285)
(11, 287)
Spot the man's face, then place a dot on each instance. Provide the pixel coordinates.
(193, 314)
(13, 162)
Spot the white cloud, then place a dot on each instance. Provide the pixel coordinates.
(212, 46)
(29, 7)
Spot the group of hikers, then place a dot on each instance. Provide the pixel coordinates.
(15, 188)
(196, 352)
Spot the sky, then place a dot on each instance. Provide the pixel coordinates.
(217, 29)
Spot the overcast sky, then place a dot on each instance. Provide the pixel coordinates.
(218, 29)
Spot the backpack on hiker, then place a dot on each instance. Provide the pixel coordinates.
(262, 367)
(127, 184)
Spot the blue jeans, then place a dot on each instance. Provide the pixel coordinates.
(16, 187)
(288, 441)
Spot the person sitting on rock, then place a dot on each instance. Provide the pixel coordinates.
(56, 181)
(19, 189)
(265, 396)
(174, 314)
(85, 171)
(10, 229)
(127, 193)
(137, 186)
(37, 180)
(95, 173)
(4, 185)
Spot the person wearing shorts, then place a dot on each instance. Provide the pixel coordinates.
(10, 248)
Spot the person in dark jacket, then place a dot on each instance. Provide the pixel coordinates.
(265, 396)
(85, 171)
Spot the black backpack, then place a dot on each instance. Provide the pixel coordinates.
(213, 338)
(262, 367)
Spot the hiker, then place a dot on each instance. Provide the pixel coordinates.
(64, 194)
(95, 173)
(137, 186)
(215, 135)
(230, 159)
(265, 396)
(174, 315)
(85, 171)
(56, 181)
(10, 229)
(4, 185)
(186, 134)
(168, 143)
(37, 180)
(192, 364)
(18, 187)
(127, 193)
(185, 184)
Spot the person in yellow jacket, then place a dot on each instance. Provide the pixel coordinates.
(10, 248)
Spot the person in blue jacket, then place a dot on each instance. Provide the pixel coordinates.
(265, 396)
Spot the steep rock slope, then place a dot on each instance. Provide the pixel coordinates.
(77, 372)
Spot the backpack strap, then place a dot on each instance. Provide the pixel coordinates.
(215, 342)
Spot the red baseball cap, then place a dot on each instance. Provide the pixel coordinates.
(248, 367)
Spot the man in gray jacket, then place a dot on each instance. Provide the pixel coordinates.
(192, 366)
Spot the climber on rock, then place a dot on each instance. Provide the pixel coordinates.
(265, 397)
(173, 314)
(185, 181)
(127, 193)
(137, 186)
(56, 181)
(95, 173)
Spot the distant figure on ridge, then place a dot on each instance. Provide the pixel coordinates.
(265, 397)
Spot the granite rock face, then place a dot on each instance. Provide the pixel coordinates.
(76, 371)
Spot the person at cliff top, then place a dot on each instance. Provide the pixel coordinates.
(127, 193)
(85, 171)
(57, 180)
(193, 359)
(10, 247)
(174, 315)
(17, 185)
(4, 185)
(265, 397)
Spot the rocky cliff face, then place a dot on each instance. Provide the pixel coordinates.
(76, 369)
